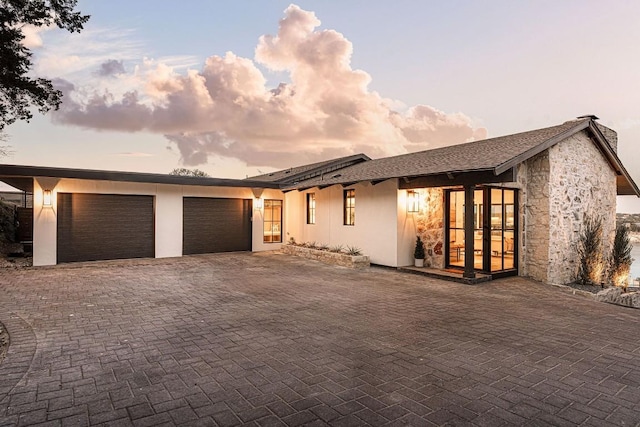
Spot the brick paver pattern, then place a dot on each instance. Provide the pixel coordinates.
(268, 339)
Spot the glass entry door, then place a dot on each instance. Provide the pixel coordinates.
(456, 229)
(503, 225)
(494, 229)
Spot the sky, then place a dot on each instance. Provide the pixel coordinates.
(238, 88)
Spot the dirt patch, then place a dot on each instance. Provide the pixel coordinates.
(4, 342)
(594, 289)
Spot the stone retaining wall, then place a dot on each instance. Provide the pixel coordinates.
(332, 258)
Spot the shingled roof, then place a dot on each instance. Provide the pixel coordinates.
(496, 155)
(301, 173)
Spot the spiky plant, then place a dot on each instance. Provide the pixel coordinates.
(620, 260)
(592, 263)
(337, 249)
(353, 251)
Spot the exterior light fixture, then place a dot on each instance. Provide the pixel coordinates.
(259, 203)
(413, 201)
(46, 198)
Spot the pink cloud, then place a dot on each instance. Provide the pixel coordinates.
(227, 109)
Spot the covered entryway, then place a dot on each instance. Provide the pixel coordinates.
(104, 226)
(216, 225)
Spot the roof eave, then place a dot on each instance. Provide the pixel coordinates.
(628, 188)
(13, 171)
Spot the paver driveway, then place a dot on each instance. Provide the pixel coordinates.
(267, 339)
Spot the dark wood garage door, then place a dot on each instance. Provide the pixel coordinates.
(104, 226)
(216, 225)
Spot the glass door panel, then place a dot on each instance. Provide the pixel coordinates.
(478, 232)
(457, 253)
(456, 228)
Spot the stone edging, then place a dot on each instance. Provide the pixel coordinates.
(614, 295)
(611, 295)
(331, 258)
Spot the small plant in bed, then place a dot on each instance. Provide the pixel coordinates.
(353, 251)
(337, 249)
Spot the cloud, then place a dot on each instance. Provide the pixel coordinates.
(110, 67)
(227, 108)
(78, 55)
(134, 154)
(31, 33)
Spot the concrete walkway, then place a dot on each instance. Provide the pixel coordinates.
(268, 339)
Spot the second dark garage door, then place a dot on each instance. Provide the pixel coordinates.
(216, 225)
(104, 226)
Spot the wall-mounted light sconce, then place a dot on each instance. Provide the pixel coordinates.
(46, 198)
(413, 201)
(258, 204)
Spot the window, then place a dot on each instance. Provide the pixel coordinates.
(311, 208)
(349, 207)
(273, 221)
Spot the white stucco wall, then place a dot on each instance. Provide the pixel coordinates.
(168, 212)
(374, 231)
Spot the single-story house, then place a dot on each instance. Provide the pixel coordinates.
(508, 205)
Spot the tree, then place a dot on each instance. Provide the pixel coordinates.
(189, 172)
(18, 91)
(5, 150)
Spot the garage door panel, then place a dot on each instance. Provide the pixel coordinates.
(104, 226)
(216, 225)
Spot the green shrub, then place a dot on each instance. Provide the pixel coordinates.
(7, 222)
(418, 252)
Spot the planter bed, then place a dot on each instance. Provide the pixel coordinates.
(332, 258)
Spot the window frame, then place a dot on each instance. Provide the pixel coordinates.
(311, 208)
(349, 207)
(269, 205)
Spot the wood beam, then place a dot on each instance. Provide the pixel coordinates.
(462, 178)
(469, 253)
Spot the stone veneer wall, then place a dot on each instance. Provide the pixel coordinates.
(430, 226)
(534, 216)
(581, 183)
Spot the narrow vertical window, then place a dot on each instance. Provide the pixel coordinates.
(349, 207)
(273, 221)
(311, 208)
